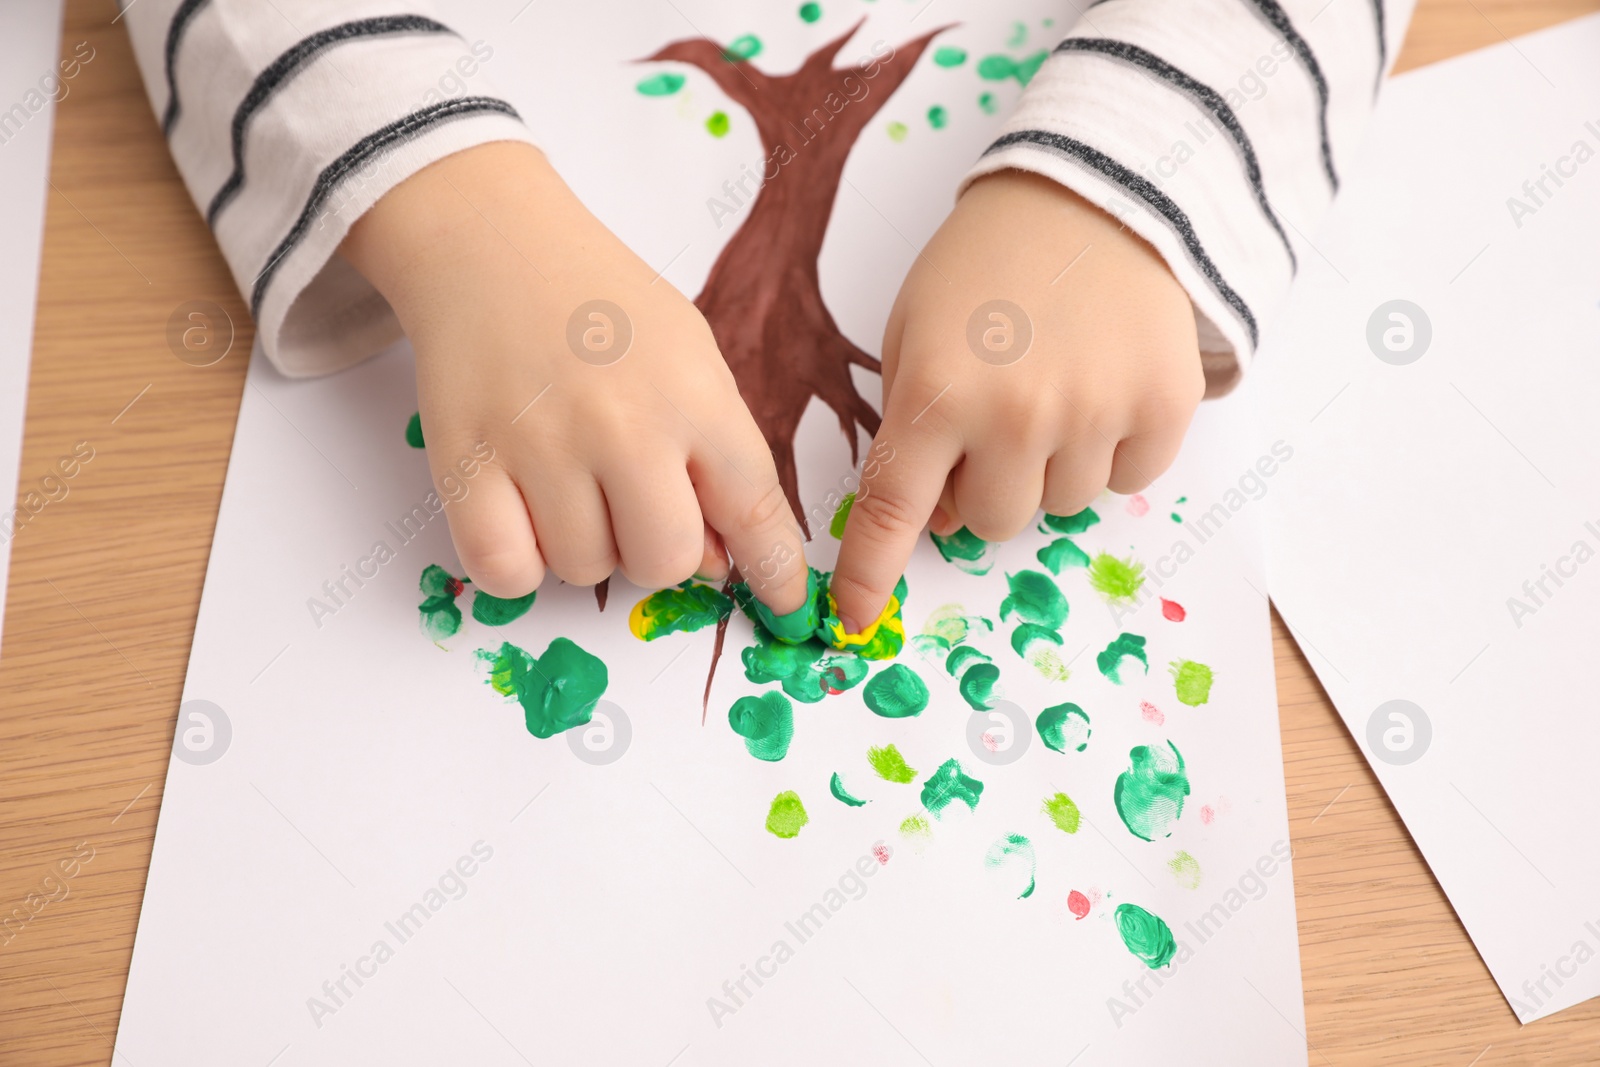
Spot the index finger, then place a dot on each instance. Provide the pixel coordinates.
(912, 456)
(743, 500)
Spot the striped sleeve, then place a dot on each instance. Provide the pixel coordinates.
(1216, 130)
(288, 119)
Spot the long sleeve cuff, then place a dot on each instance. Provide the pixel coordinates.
(288, 121)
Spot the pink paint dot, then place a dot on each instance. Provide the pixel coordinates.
(1138, 506)
(1078, 904)
(1151, 713)
(1208, 814)
(882, 852)
(990, 742)
(1172, 611)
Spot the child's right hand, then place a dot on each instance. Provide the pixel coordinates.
(643, 458)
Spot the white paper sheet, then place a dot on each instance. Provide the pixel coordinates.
(342, 765)
(30, 83)
(1440, 470)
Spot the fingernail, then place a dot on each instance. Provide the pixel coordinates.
(940, 522)
(849, 624)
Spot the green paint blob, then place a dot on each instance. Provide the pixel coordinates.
(841, 794)
(966, 550)
(766, 723)
(930, 646)
(962, 656)
(938, 117)
(1149, 794)
(977, 685)
(1176, 517)
(896, 692)
(1110, 660)
(1063, 727)
(796, 627)
(810, 12)
(414, 431)
(1063, 812)
(497, 611)
(890, 765)
(660, 84)
(1069, 524)
(1014, 850)
(1060, 554)
(743, 48)
(1118, 580)
(988, 104)
(689, 607)
(557, 691)
(441, 618)
(841, 516)
(1019, 35)
(949, 56)
(949, 784)
(1027, 68)
(996, 68)
(717, 125)
(1186, 869)
(1034, 598)
(915, 827)
(771, 660)
(1192, 681)
(1026, 635)
(786, 815)
(897, 131)
(839, 673)
(1146, 936)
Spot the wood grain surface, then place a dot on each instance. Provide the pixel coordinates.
(105, 583)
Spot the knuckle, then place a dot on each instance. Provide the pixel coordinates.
(887, 517)
(769, 510)
(501, 573)
(585, 570)
(661, 569)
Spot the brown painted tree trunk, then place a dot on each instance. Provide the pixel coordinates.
(763, 298)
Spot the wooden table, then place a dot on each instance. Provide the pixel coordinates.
(105, 584)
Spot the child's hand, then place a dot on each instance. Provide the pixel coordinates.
(987, 425)
(619, 435)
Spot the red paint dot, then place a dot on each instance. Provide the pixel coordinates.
(456, 588)
(1172, 611)
(1138, 506)
(1078, 904)
(1151, 713)
(882, 852)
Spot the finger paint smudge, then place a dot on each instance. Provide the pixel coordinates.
(1150, 713)
(916, 828)
(557, 691)
(1060, 554)
(660, 85)
(1063, 812)
(1146, 935)
(1208, 814)
(950, 57)
(1069, 524)
(966, 550)
(1014, 851)
(963, 655)
(1034, 598)
(766, 723)
(1138, 506)
(948, 784)
(1078, 904)
(1118, 580)
(414, 431)
(746, 47)
(691, 606)
(882, 852)
(841, 516)
(1172, 611)
(896, 692)
(951, 623)
(498, 611)
(1063, 727)
(890, 765)
(1186, 869)
(441, 618)
(977, 685)
(786, 815)
(1192, 681)
(1125, 646)
(1026, 635)
(841, 794)
(1149, 794)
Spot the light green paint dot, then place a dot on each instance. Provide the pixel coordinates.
(842, 515)
(841, 794)
(786, 815)
(938, 117)
(1145, 935)
(1063, 812)
(414, 431)
(950, 57)
(1192, 681)
(1047, 661)
(1118, 580)
(896, 692)
(916, 827)
(742, 48)
(1063, 727)
(810, 12)
(890, 765)
(897, 131)
(717, 125)
(1186, 869)
(988, 104)
(660, 84)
